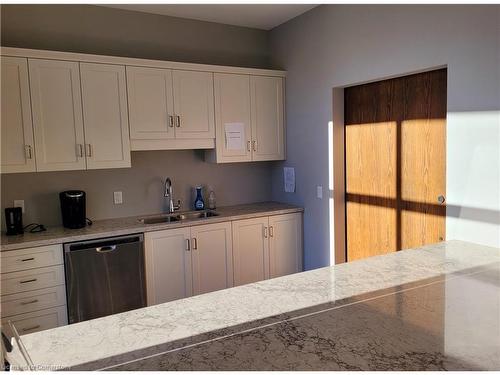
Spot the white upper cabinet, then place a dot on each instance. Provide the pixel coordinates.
(57, 115)
(250, 250)
(16, 125)
(168, 265)
(212, 257)
(257, 103)
(232, 106)
(151, 104)
(105, 116)
(193, 104)
(267, 118)
(285, 244)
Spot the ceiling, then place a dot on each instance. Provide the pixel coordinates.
(259, 16)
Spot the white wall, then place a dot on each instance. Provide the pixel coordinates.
(336, 45)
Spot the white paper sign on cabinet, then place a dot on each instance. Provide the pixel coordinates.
(235, 135)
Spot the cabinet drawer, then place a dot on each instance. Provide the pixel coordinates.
(20, 303)
(24, 259)
(36, 321)
(38, 278)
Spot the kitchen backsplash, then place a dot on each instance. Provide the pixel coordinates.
(142, 186)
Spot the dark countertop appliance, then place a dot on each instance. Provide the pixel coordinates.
(73, 209)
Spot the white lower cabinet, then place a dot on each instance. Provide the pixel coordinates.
(187, 261)
(205, 258)
(250, 250)
(267, 247)
(168, 265)
(33, 293)
(285, 244)
(212, 254)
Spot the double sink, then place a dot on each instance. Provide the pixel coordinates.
(172, 218)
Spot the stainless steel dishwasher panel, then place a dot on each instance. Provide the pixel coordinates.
(104, 277)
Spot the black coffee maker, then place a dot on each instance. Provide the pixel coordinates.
(14, 220)
(73, 209)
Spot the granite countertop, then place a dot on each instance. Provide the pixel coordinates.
(128, 225)
(434, 307)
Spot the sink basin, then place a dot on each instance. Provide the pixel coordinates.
(197, 215)
(159, 219)
(172, 218)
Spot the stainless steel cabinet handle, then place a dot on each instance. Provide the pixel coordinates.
(79, 150)
(265, 232)
(441, 199)
(29, 302)
(29, 154)
(271, 231)
(178, 121)
(248, 146)
(188, 245)
(105, 249)
(195, 244)
(89, 150)
(27, 259)
(171, 121)
(27, 281)
(30, 328)
(255, 145)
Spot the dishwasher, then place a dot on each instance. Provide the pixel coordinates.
(104, 276)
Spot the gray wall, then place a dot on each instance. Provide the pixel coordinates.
(142, 185)
(336, 45)
(100, 30)
(117, 32)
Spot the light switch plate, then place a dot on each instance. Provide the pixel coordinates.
(118, 197)
(19, 203)
(319, 192)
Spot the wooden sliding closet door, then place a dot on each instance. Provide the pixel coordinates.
(395, 164)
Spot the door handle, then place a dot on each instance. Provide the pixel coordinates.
(171, 121)
(195, 244)
(265, 232)
(30, 328)
(29, 302)
(79, 150)
(255, 145)
(248, 146)
(441, 199)
(271, 231)
(188, 245)
(27, 259)
(178, 121)
(105, 249)
(27, 281)
(89, 150)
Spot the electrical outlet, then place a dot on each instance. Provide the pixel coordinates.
(319, 192)
(118, 197)
(19, 203)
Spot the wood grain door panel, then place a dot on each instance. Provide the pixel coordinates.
(395, 163)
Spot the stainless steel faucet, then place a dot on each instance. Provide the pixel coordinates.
(169, 195)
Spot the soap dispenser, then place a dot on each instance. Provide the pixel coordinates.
(199, 203)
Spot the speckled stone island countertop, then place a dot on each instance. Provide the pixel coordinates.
(431, 308)
(128, 225)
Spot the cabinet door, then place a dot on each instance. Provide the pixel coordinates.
(250, 250)
(232, 110)
(193, 104)
(212, 257)
(168, 265)
(57, 115)
(105, 115)
(285, 244)
(267, 118)
(17, 127)
(150, 103)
